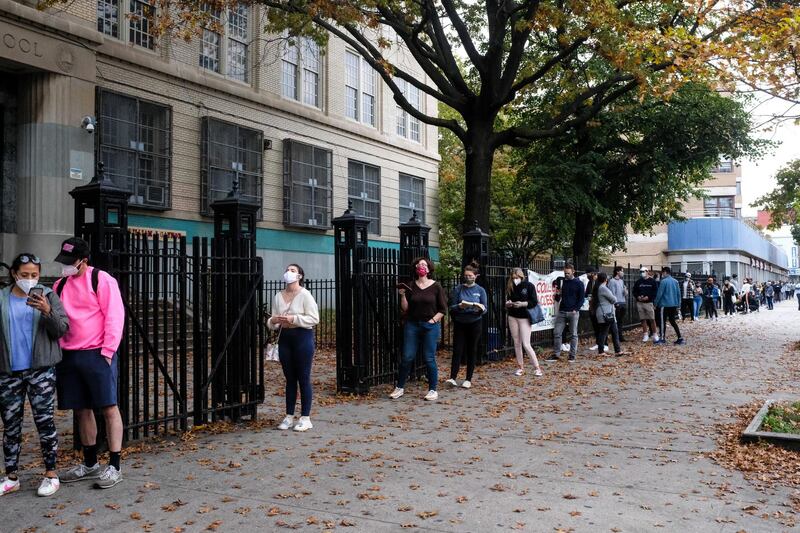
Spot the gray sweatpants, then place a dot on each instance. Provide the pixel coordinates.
(562, 319)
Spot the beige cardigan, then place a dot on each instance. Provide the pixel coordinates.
(303, 307)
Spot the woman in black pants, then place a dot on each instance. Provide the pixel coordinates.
(728, 294)
(467, 307)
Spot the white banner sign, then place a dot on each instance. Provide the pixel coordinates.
(545, 292)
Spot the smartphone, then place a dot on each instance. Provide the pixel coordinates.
(36, 291)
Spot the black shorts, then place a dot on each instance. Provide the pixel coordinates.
(85, 380)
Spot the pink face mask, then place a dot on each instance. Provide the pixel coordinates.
(422, 270)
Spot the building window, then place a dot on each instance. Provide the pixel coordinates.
(364, 191)
(134, 145)
(233, 46)
(412, 197)
(724, 167)
(300, 67)
(307, 185)
(108, 17)
(408, 126)
(140, 14)
(230, 152)
(359, 89)
(719, 206)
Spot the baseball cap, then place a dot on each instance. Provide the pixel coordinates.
(73, 249)
(644, 269)
(590, 270)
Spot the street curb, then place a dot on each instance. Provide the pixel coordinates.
(752, 434)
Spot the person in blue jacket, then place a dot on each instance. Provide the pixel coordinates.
(668, 299)
(467, 307)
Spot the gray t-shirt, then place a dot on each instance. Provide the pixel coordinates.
(617, 287)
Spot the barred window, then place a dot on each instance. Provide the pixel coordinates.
(412, 197)
(359, 89)
(108, 17)
(307, 185)
(300, 66)
(139, 28)
(134, 144)
(408, 126)
(230, 152)
(364, 190)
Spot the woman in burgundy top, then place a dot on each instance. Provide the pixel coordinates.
(424, 304)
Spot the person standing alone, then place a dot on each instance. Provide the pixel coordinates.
(86, 378)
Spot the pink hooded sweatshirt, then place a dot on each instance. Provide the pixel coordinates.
(95, 321)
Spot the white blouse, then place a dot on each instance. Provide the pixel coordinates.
(303, 307)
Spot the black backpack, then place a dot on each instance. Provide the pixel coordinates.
(95, 281)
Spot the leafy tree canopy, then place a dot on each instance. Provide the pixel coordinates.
(783, 203)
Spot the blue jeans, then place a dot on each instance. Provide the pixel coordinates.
(419, 335)
(698, 301)
(296, 353)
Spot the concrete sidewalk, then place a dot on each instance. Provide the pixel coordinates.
(605, 444)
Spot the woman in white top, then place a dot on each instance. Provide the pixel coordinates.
(295, 313)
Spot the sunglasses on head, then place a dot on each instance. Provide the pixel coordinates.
(25, 259)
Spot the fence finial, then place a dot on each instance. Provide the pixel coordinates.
(234, 189)
(349, 207)
(413, 216)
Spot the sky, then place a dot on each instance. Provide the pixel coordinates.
(758, 176)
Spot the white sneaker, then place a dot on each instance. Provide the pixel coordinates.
(593, 348)
(646, 337)
(605, 349)
(466, 384)
(452, 382)
(432, 395)
(287, 423)
(565, 347)
(519, 372)
(656, 338)
(8, 486)
(538, 373)
(304, 424)
(48, 486)
(396, 393)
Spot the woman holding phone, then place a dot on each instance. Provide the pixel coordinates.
(32, 320)
(424, 304)
(521, 296)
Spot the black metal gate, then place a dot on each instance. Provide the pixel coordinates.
(170, 372)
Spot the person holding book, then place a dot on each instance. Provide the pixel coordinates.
(467, 307)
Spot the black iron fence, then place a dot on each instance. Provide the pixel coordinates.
(324, 292)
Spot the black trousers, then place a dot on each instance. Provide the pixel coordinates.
(465, 343)
(620, 311)
(710, 308)
(604, 330)
(687, 308)
(727, 303)
(597, 330)
(668, 313)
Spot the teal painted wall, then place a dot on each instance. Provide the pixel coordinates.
(288, 241)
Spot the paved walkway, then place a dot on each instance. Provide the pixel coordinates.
(602, 445)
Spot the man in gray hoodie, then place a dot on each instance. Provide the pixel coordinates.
(617, 286)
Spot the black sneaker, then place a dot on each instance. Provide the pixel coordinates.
(552, 358)
(680, 341)
(571, 359)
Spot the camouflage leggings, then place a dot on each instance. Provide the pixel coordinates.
(40, 386)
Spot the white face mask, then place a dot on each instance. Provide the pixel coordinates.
(25, 285)
(517, 281)
(289, 277)
(69, 270)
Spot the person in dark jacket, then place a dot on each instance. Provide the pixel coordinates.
(467, 307)
(728, 298)
(32, 320)
(644, 292)
(571, 298)
(521, 296)
(708, 299)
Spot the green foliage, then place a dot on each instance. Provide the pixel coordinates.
(782, 418)
(783, 203)
(633, 165)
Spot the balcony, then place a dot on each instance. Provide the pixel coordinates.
(722, 233)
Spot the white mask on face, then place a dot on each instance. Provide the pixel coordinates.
(25, 285)
(517, 281)
(69, 270)
(289, 277)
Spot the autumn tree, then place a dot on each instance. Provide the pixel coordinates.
(514, 48)
(632, 166)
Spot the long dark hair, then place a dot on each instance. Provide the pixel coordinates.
(601, 278)
(300, 271)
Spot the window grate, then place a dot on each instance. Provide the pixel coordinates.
(307, 185)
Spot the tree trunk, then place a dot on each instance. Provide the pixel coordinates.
(478, 170)
(582, 239)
